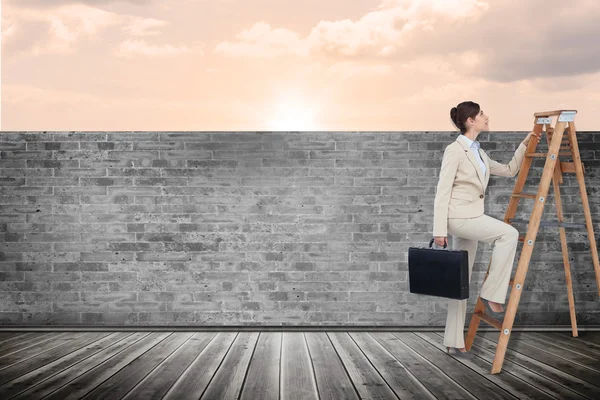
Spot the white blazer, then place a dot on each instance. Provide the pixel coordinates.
(461, 187)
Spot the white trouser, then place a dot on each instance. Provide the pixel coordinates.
(466, 233)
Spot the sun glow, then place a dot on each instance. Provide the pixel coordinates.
(293, 115)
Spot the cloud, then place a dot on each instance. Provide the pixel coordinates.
(54, 3)
(535, 45)
(263, 41)
(144, 26)
(479, 38)
(38, 32)
(61, 30)
(378, 33)
(350, 69)
(140, 47)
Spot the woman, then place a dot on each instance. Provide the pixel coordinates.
(459, 210)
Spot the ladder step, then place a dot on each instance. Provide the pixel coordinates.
(525, 195)
(551, 223)
(568, 167)
(542, 155)
(490, 320)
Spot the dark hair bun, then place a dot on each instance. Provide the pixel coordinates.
(453, 114)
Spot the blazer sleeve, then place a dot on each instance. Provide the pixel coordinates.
(448, 169)
(512, 168)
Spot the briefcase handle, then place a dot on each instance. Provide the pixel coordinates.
(431, 243)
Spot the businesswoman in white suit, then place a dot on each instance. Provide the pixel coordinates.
(459, 210)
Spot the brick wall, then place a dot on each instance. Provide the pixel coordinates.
(225, 228)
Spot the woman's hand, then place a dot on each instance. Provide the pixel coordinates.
(532, 133)
(441, 240)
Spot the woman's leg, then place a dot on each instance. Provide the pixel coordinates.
(505, 239)
(457, 309)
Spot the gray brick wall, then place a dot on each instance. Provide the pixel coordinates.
(247, 228)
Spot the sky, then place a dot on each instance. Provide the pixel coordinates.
(283, 65)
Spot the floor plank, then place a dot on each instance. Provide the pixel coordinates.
(123, 381)
(23, 367)
(543, 354)
(262, 380)
(590, 338)
(365, 378)
(8, 352)
(517, 387)
(397, 376)
(80, 386)
(5, 335)
(172, 373)
(582, 358)
(570, 343)
(477, 384)
(546, 370)
(35, 348)
(332, 380)
(297, 374)
(432, 377)
(67, 375)
(511, 365)
(11, 336)
(41, 374)
(293, 366)
(227, 381)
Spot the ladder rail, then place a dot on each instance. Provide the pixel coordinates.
(522, 177)
(584, 199)
(559, 138)
(528, 245)
(564, 248)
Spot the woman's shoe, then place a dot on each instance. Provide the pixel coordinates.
(491, 312)
(461, 354)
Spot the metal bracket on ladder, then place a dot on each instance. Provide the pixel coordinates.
(544, 121)
(567, 116)
(552, 173)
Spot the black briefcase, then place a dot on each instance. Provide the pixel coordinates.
(436, 272)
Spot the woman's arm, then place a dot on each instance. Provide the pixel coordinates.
(512, 168)
(450, 163)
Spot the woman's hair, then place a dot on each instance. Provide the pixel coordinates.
(461, 112)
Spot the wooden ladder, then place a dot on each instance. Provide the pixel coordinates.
(558, 145)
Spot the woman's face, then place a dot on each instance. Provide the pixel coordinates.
(480, 122)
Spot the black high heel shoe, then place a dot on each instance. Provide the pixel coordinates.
(461, 354)
(497, 314)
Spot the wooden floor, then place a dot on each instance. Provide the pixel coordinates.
(293, 365)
